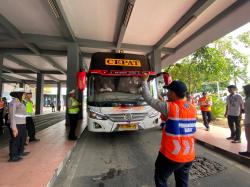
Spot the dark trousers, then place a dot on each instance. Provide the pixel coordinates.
(17, 143)
(73, 119)
(6, 119)
(30, 128)
(206, 116)
(165, 167)
(1, 121)
(234, 125)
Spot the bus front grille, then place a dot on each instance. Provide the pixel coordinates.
(127, 117)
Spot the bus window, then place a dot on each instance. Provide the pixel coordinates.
(104, 84)
(129, 85)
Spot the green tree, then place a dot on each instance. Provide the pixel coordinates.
(219, 61)
(245, 39)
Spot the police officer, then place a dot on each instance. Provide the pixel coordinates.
(177, 146)
(29, 121)
(17, 117)
(73, 112)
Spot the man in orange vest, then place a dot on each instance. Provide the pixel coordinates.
(205, 106)
(177, 145)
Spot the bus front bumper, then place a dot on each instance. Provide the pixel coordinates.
(95, 125)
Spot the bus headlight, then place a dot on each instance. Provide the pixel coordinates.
(153, 113)
(96, 115)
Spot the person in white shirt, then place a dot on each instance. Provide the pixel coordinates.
(233, 113)
(247, 120)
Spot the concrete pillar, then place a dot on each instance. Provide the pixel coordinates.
(73, 66)
(1, 72)
(156, 64)
(156, 60)
(21, 84)
(80, 94)
(58, 96)
(39, 93)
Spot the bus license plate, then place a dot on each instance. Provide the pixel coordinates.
(127, 126)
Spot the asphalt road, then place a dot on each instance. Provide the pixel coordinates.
(127, 160)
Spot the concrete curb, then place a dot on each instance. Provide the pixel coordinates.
(60, 167)
(241, 159)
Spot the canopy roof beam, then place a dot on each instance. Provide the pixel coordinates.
(128, 8)
(11, 78)
(24, 71)
(53, 78)
(24, 51)
(57, 10)
(21, 63)
(55, 40)
(17, 35)
(184, 21)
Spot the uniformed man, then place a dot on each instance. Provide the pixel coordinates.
(177, 146)
(17, 117)
(73, 113)
(29, 121)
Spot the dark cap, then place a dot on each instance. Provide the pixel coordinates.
(204, 93)
(232, 87)
(178, 87)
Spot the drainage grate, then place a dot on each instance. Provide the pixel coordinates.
(203, 167)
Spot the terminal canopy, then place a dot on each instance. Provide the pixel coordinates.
(35, 34)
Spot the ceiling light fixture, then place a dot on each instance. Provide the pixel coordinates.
(54, 8)
(127, 14)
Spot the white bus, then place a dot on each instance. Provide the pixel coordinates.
(114, 100)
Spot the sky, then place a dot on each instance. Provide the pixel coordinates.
(237, 32)
(243, 49)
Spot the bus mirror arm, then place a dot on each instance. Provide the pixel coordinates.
(159, 74)
(151, 77)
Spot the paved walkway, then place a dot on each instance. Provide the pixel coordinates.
(48, 156)
(45, 159)
(217, 137)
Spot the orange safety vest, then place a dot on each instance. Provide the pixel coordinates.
(177, 142)
(1, 104)
(204, 101)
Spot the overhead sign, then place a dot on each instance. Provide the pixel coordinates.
(122, 62)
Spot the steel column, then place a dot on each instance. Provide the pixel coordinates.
(156, 63)
(156, 60)
(58, 96)
(80, 94)
(21, 84)
(39, 93)
(73, 66)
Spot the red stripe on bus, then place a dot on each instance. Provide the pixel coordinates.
(122, 72)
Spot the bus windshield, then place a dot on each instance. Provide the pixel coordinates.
(114, 91)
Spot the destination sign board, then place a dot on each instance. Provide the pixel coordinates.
(122, 62)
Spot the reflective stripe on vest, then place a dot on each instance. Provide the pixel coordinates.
(1, 104)
(20, 115)
(178, 135)
(74, 103)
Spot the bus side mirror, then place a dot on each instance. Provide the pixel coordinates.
(81, 80)
(167, 79)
